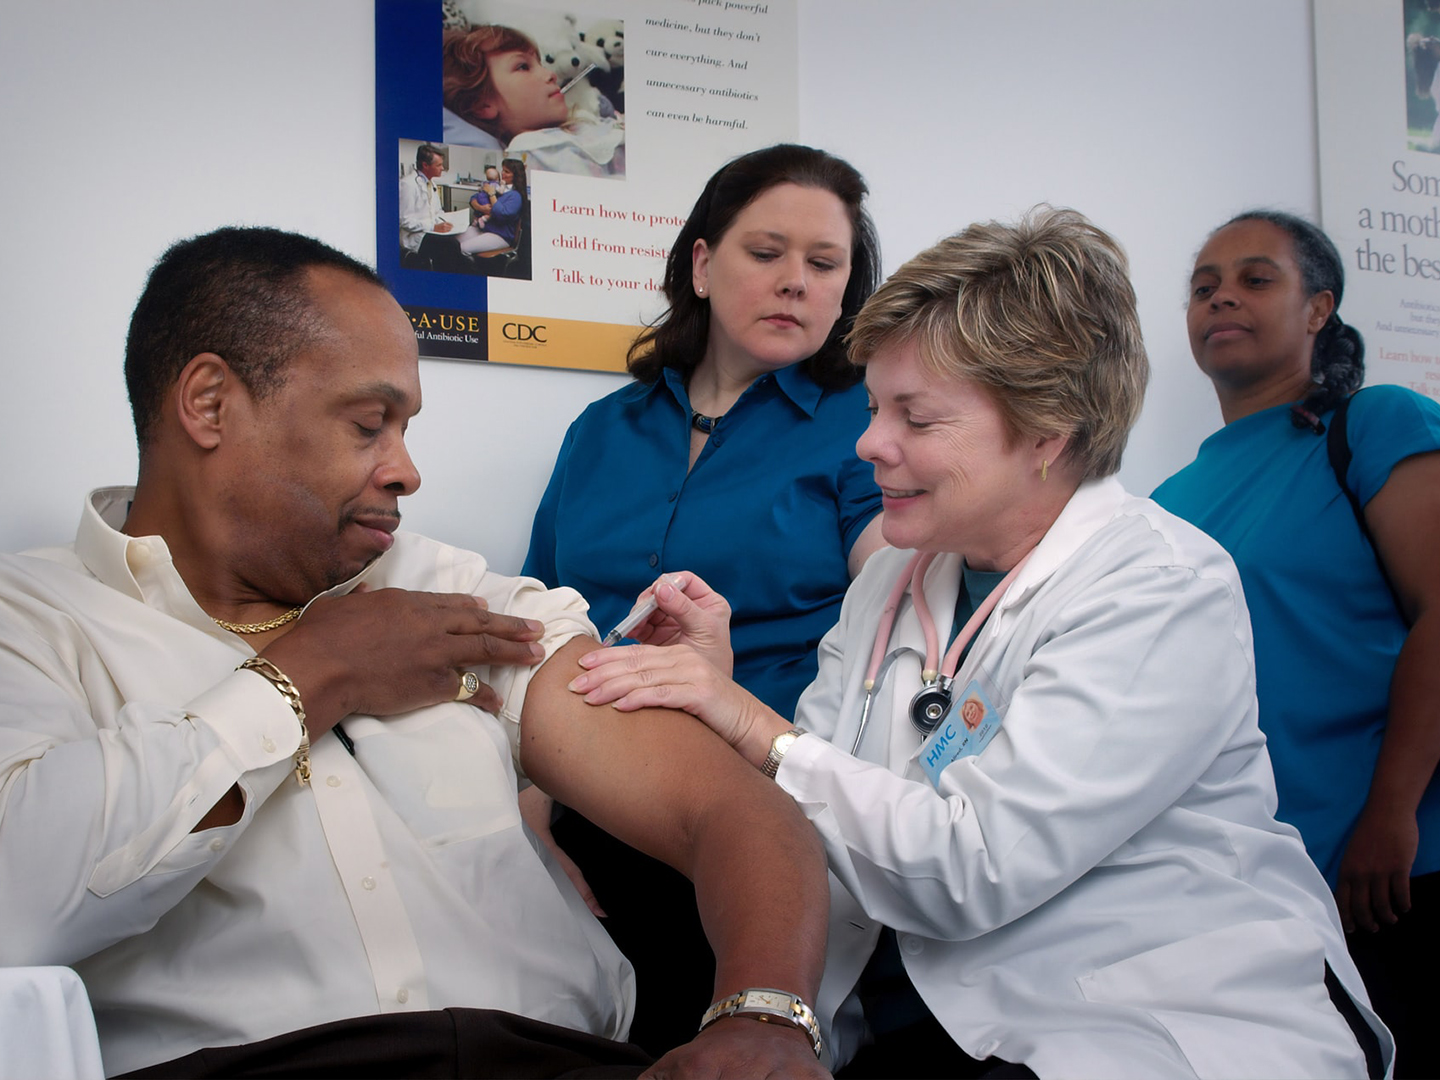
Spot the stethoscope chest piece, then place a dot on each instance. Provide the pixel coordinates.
(929, 705)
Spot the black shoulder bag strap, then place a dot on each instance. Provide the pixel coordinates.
(1337, 445)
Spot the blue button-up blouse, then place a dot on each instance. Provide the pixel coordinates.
(767, 515)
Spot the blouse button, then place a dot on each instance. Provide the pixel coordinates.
(267, 744)
(333, 781)
(403, 996)
(911, 945)
(367, 883)
(654, 559)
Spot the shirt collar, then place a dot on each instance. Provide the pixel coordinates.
(103, 548)
(141, 566)
(1093, 504)
(804, 391)
(792, 381)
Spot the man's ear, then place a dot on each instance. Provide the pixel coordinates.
(203, 398)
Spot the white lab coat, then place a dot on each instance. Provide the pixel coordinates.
(419, 209)
(1104, 890)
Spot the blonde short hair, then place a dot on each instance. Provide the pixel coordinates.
(1041, 313)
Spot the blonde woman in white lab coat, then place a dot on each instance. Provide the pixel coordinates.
(1075, 871)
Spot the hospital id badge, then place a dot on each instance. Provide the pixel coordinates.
(966, 729)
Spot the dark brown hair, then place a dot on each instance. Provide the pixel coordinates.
(679, 337)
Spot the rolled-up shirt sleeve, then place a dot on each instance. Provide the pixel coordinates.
(563, 611)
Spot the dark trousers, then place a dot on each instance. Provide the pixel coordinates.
(450, 1043)
(1400, 964)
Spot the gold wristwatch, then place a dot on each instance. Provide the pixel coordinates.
(779, 746)
(768, 1006)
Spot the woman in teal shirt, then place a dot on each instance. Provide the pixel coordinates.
(732, 455)
(1347, 670)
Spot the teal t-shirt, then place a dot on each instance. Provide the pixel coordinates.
(1327, 632)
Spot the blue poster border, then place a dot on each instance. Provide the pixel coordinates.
(408, 106)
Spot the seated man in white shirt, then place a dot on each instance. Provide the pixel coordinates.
(258, 749)
(420, 210)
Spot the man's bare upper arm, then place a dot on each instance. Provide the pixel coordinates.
(647, 777)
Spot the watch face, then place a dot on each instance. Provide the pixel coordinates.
(767, 998)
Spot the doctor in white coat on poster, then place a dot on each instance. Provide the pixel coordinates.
(1031, 749)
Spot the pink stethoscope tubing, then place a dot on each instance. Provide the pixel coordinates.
(936, 675)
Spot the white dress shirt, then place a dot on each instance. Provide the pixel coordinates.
(1103, 890)
(399, 879)
(419, 209)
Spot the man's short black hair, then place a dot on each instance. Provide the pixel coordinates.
(237, 292)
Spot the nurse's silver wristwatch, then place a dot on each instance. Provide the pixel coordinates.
(779, 746)
(769, 1007)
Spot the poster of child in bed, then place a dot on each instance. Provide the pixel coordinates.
(536, 85)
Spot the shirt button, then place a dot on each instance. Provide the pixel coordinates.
(911, 945)
(267, 744)
(333, 781)
(654, 559)
(403, 996)
(217, 844)
(717, 440)
(367, 883)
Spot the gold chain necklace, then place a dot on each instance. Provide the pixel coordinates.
(259, 627)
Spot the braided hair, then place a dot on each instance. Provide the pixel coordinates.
(1337, 364)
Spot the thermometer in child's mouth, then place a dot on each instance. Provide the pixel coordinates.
(588, 69)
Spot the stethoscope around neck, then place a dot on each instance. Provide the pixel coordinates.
(933, 699)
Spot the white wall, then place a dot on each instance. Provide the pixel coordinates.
(127, 126)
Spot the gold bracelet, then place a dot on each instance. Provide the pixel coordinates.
(291, 694)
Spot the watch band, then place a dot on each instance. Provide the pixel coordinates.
(779, 746)
(768, 1006)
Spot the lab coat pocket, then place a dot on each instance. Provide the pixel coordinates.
(1244, 1000)
(445, 770)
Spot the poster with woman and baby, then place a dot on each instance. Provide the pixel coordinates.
(534, 162)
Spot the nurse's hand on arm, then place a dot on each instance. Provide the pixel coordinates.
(1404, 517)
(689, 671)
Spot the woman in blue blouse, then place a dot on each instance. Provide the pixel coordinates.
(1347, 627)
(498, 215)
(732, 454)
